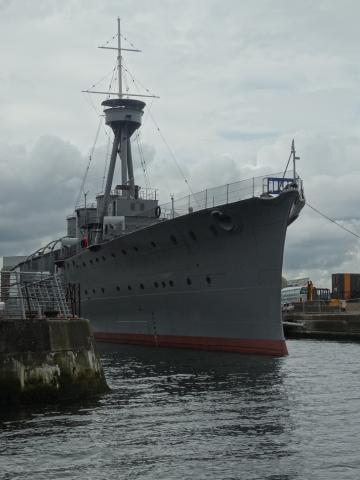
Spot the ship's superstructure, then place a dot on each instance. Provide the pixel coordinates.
(202, 272)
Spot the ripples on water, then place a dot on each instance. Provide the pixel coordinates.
(176, 414)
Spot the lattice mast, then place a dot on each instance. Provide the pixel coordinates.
(124, 116)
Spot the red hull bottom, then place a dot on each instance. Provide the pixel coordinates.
(275, 348)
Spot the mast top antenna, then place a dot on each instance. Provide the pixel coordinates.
(119, 93)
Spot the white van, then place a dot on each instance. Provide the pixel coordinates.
(291, 295)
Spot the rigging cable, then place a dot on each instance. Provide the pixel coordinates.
(110, 39)
(128, 41)
(88, 165)
(332, 220)
(116, 36)
(103, 78)
(172, 154)
(127, 87)
(112, 81)
(88, 99)
(287, 165)
(137, 137)
(135, 82)
(142, 160)
(91, 103)
(107, 155)
(88, 96)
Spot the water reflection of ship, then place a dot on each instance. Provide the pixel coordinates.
(189, 274)
(196, 368)
(220, 392)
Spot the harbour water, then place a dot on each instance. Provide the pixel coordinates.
(199, 415)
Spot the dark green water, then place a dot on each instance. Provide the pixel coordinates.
(200, 415)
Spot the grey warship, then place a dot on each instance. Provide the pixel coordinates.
(202, 272)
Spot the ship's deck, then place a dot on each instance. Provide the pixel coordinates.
(272, 184)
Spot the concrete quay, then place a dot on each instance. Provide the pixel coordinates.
(47, 360)
(335, 326)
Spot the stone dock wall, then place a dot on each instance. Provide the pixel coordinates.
(48, 359)
(336, 326)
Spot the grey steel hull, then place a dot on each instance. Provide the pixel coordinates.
(191, 282)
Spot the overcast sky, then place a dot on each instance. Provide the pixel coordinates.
(238, 80)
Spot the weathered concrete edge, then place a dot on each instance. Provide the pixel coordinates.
(62, 365)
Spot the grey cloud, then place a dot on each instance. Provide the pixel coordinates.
(4, 4)
(240, 135)
(38, 186)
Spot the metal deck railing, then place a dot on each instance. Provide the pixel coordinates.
(229, 193)
(33, 295)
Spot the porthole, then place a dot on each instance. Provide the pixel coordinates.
(188, 281)
(96, 259)
(103, 258)
(86, 292)
(118, 288)
(163, 284)
(103, 290)
(113, 255)
(84, 264)
(136, 249)
(94, 290)
(192, 235)
(142, 286)
(129, 287)
(153, 244)
(208, 280)
(73, 262)
(92, 262)
(173, 239)
(156, 285)
(171, 283)
(124, 252)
